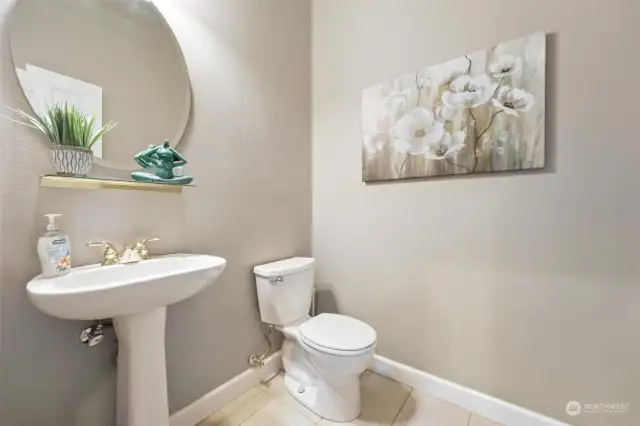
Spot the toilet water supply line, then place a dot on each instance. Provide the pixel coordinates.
(257, 361)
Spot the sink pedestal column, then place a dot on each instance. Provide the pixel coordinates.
(142, 376)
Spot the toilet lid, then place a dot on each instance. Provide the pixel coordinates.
(338, 332)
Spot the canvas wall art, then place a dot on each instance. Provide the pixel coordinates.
(482, 112)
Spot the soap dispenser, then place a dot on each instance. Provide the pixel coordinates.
(54, 250)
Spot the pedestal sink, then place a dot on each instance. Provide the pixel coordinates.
(136, 296)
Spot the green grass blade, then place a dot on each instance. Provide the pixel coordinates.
(101, 132)
(65, 125)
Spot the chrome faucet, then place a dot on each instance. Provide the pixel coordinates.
(133, 253)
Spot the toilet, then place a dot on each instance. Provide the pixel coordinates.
(323, 356)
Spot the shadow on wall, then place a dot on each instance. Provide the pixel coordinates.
(326, 300)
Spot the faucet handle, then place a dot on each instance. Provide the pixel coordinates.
(105, 244)
(110, 255)
(149, 240)
(141, 247)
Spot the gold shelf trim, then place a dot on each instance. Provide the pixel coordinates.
(51, 181)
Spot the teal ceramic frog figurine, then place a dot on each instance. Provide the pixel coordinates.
(164, 159)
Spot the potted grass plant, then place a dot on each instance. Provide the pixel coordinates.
(72, 134)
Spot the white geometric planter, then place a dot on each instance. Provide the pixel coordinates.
(71, 161)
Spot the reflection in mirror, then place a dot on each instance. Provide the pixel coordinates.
(117, 60)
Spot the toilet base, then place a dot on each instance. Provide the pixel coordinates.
(336, 398)
(331, 401)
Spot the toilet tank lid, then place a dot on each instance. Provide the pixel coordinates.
(284, 267)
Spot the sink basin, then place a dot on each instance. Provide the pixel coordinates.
(96, 292)
(136, 296)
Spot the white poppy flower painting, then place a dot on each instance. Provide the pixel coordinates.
(479, 113)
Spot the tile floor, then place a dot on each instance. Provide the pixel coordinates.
(384, 403)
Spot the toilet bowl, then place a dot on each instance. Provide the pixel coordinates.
(324, 356)
(321, 372)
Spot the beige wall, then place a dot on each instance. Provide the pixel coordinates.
(522, 285)
(248, 146)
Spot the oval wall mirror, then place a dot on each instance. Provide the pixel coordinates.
(115, 59)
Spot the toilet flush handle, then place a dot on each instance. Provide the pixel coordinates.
(278, 280)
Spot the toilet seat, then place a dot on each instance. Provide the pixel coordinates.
(338, 334)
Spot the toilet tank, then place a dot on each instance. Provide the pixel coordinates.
(285, 290)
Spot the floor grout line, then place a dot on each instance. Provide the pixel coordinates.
(402, 406)
(271, 399)
(389, 378)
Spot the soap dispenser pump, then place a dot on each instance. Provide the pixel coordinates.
(54, 250)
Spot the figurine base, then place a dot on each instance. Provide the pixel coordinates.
(151, 178)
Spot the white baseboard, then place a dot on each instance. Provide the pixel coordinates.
(193, 414)
(487, 406)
